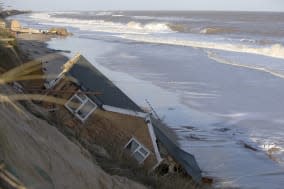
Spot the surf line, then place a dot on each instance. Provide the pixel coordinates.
(275, 51)
(221, 60)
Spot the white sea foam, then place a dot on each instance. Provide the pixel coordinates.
(253, 41)
(153, 27)
(276, 50)
(130, 28)
(271, 148)
(222, 60)
(104, 26)
(196, 95)
(117, 15)
(104, 13)
(144, 17)
(43, 16)
(167, 18)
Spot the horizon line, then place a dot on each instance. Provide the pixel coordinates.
(158, 10)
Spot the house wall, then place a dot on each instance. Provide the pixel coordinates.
(121, 128)
(105, 128)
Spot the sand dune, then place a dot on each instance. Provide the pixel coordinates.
(41, 157)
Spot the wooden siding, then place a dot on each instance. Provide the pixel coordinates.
(106, 128)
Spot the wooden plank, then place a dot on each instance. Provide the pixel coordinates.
(7, 39)
(8, 181)
(62, 91)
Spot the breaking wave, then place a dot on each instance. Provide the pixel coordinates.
(275, 50)
(117, 15)
(216, 30)
(145, 17)
(178, 27)
(169, 19)
(134, 30)
(183, 28)
(154, 27)
(222, 60)
(104, 13)
(104, 26)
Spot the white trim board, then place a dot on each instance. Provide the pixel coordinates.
(66, 67)
(154, 139)
(124, 111)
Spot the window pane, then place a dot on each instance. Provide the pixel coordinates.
(74, 103)
(138, 156)
(82, 96)
(86, 109)
(132, 146)
(143, 151)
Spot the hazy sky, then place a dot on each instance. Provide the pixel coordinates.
(245, 5)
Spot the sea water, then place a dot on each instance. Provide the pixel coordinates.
(216, 79)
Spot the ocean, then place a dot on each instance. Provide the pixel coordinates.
(216, 79)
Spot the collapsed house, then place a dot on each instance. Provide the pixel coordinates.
(16, 27)
(109, 117)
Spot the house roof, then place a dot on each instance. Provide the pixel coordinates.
(185, 159)
(91, 79)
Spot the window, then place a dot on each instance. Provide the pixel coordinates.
(137, 150)
(81, 106)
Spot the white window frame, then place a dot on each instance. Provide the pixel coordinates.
(83, 102)
(137, 150)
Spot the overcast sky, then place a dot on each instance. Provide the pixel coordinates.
(244, 5)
